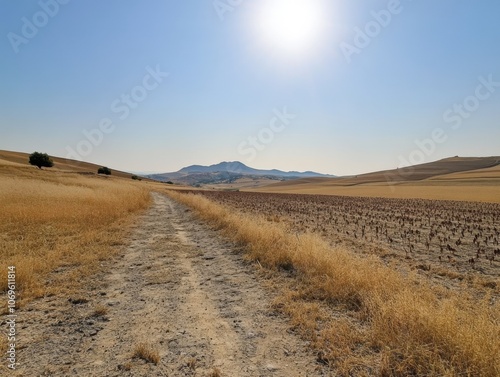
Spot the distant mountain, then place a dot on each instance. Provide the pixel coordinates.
(227, 172)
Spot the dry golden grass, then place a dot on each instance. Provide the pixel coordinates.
(57, 227)
(191, 363)
(401, 326)
(147, 352)
(60, 164)
(50, 220)
(100, 311)
(215, 373)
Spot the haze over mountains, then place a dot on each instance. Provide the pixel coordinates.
(227, 172)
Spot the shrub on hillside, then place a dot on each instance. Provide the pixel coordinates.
(40, 159)
(104, 170)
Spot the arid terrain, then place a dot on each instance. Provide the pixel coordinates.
(445, 239)
(116, 277)
(456, 178)
(61, 165)
(178, 289)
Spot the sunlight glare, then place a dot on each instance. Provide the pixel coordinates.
(291, 25)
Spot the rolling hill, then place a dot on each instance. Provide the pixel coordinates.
(455, 178)
(60, 164)
(431, 170)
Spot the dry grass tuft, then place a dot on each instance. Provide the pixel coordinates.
(100, 311)
(399, 327)
(127, 366)
(192, 364)
(215, 373)
(147, 352)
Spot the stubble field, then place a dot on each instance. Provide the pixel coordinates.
(445, 240)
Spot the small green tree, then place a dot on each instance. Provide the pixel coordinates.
(41, 159)
(136, 178)
(104, 170)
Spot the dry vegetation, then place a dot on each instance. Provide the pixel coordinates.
(56, 227)
(362, 317)
(215, 373)
(147, 353)
(60, 164)
(457, 240)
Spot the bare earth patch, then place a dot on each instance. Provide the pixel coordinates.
(179, 301)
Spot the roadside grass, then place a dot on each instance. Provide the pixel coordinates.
(100, 311)
(215, 373)
(57, 227)
(147, 353)
(362, 317)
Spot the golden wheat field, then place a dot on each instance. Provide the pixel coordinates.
(358, 313)
(53, 221)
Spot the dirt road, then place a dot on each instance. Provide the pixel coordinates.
(179, 287)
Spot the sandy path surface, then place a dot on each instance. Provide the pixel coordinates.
(179, 287)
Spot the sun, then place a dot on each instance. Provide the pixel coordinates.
(291, 26)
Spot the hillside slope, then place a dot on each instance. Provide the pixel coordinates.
(457, 178)
(431, 170)
(61, 164)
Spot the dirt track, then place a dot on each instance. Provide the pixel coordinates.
(177, 286)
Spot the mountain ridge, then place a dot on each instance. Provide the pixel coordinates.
(228, 171)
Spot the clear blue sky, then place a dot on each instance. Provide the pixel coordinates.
(230, 69)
